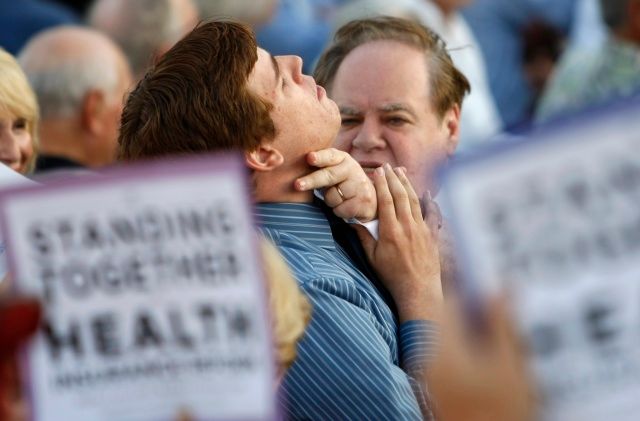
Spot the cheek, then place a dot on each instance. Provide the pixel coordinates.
(26, 146)
(409, 151)
(344, 140)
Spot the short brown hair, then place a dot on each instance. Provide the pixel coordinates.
(196, 98)
(448, 84)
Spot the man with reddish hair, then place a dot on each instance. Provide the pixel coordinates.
(363, 350)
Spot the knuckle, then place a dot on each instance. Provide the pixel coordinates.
(336, 155)
(331, 200)
(330, 176)
(401, 196)
(395, 235)
(386, 201)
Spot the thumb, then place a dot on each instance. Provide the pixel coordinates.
(431, 213)
(366, 239)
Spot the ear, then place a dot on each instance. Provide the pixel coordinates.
(264, 158)
(93, 109)
(451, 125)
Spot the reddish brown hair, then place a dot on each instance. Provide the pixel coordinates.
(196, 98)
(448, 84)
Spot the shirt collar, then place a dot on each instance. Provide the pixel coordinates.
(304, 220)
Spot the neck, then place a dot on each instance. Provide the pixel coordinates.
(62, 137)
(272, 187)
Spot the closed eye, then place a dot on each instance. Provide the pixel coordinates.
(397, 121)
(20, 124)
(350, 121)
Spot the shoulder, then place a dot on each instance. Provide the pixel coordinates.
(309, 263)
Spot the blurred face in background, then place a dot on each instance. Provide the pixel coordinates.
(16, 144)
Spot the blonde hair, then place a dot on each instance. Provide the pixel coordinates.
(290, 309)
(17, 97)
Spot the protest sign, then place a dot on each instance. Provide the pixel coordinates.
(554, 219)
(153, 298)
(8, 177)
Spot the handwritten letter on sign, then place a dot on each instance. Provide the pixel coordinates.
(152, 294)
(556, 220)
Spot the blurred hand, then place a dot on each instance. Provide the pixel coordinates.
(481, 377)
(19, 319)
(184, 415)
(406, 255)
(348, 190)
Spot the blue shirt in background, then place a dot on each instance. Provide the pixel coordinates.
(21, 19)
(296, 29)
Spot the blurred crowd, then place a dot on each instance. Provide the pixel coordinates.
(86, 84)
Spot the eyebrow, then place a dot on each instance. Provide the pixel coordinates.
(349, 111)
(393, 107)
(387, 108)
(276, 69)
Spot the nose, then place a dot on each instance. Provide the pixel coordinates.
(294, 64)
(370, 136)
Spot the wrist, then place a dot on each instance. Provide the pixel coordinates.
(420, 303)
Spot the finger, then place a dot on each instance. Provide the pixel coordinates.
(337, 195)
(432, 215)
(414, 201)
(398, 193)
(325, 177)
(346, 210)
(386, 209)
(326, 157)
(501, 319)
(352, 208)
(336, 167)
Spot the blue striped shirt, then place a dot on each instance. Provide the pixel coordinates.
(354, 359)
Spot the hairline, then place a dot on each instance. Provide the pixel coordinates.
(427, 56)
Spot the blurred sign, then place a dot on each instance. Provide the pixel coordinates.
(8, 178)
(556, 220)
(154, 303)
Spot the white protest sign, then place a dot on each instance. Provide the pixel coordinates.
(153, 299)
(9, 178)
(556, 221)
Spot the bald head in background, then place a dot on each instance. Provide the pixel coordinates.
(144, 29)
(253, 12)
(81, 78)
